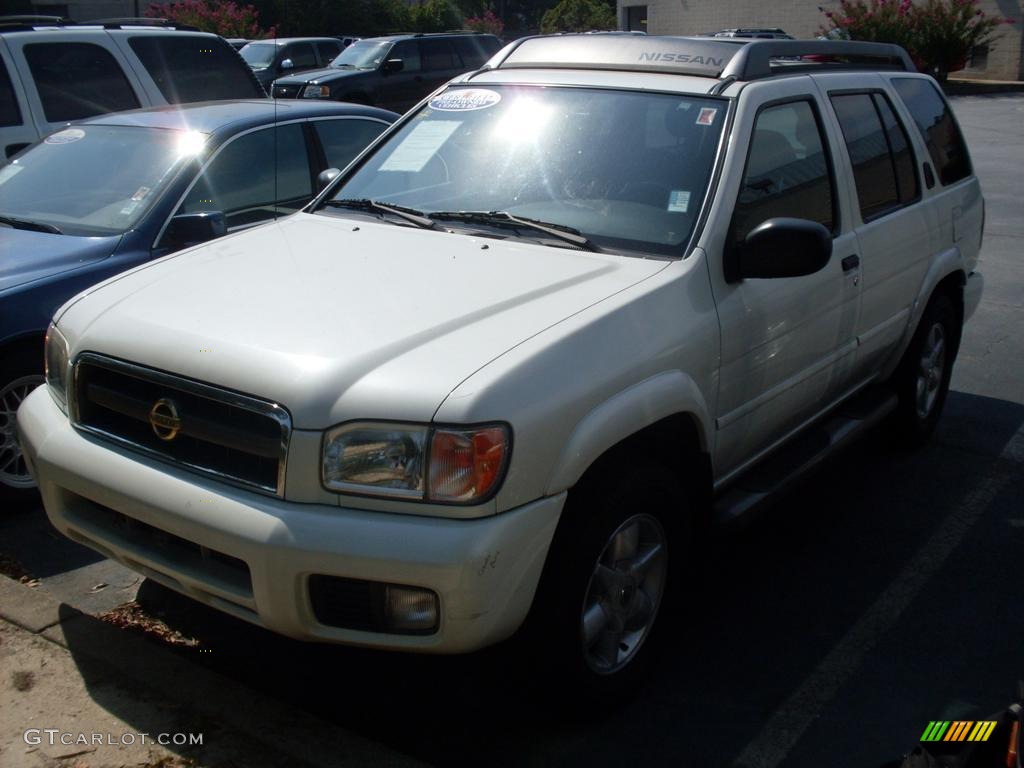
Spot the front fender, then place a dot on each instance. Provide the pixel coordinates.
(624, 414)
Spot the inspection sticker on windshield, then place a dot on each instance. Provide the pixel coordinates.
(465, 99)
(420, 145)
(66, 136)
(679, 201)
(707, 116)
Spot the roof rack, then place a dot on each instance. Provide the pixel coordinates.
(141, 21)
(725, 57)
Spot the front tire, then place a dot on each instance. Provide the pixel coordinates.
(19, 375)
(618, 551)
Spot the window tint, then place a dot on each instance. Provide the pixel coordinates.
(9, 112)
(873, 168)
(187, 68)
(438, 54)
(241, 181)
(409, 53)
(342, 140)
(939, 130)
(301, 54)
(328, 51)
(787, 172)
(899, 145)
(77, 80)
(472, 51)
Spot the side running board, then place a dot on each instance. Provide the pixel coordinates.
(802, 455)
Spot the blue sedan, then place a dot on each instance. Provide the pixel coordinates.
(107, 194)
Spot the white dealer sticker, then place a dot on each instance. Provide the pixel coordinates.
(420, 145)
(66, 136)
(679, 201)
(465, 99)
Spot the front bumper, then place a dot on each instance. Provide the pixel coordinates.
(252, 555)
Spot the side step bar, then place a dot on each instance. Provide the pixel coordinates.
(802, 455)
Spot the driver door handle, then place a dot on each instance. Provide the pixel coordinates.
(850, 262)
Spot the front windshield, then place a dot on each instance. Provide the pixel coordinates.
(365, 54)
(628, 169)
(93, 179)
(259, 55)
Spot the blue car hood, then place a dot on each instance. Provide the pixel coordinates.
(27, 256)
(320, 75)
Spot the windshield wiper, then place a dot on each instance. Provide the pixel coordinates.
(32, 226)
(506, 219)
(409, 214)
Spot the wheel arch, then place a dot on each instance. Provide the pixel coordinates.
(26, 344)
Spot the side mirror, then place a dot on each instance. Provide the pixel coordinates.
(323, 181)
(287, 64)
(193, 228)
(391, 66)
(780, 248)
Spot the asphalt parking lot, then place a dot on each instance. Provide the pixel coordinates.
(884, 593)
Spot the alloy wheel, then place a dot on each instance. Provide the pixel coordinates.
(13, 469)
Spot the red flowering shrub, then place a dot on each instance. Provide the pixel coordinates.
(488, 23)
(225, 18)
(938, 34)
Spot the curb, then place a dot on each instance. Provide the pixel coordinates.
(298, 737)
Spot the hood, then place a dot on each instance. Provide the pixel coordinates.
(342, 318)
(26, 256)
(317, 76)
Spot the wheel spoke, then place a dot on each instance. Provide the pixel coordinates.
(607, 580)
(640, 611)
(607, 648)
(625, 543)
(645, 558)
(595, 620)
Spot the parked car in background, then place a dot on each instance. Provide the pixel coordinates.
(770, 33)
(392, 72)
(53, 74)
(112, 192)
(238, 43)
(270, 59)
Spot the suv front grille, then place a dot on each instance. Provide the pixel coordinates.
(233, 437)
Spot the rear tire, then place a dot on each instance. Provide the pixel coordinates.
(922, 379)
(600, 610)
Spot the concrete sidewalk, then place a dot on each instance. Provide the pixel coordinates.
(99, 688)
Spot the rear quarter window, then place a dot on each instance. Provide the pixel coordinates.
(187, 68)
(76, 80)
(938, 128)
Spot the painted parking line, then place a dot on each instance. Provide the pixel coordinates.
(784, 729)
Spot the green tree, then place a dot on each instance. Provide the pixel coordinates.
(578, 16)
(435, 16)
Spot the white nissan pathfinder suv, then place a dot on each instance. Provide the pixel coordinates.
(571, 310)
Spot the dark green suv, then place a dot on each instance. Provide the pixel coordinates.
(391, 72)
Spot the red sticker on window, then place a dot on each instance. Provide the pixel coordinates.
(707, 116)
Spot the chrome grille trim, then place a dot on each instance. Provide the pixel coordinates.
(218, 395)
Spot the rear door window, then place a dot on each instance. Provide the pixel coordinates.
(438, 54)
(77, 80)
(938, 128)
(187, 68)
(9, 112)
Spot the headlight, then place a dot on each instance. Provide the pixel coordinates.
(57, 366)
(316, 92)
(416, 462)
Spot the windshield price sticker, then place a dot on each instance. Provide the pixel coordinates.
(420, 145)
(67, 136)
(465, 99)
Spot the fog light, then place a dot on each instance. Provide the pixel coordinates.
(410, 609)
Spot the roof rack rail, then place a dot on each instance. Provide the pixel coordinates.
(141, 21)
(28, 22)
(754, 60)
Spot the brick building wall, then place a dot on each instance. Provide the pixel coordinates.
(803, 19)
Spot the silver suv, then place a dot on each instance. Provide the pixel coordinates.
(51, 74)
(572, 310)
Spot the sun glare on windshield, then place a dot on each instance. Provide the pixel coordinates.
(523, 122)
(191, 143)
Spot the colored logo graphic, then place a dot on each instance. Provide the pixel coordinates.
(958, 730)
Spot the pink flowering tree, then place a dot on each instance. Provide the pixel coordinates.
(487, 22)
(223, 17)
(939, 35)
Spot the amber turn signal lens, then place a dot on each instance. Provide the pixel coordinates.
(466, 464)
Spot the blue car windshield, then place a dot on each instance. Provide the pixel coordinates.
(94, 179)
(627, 169)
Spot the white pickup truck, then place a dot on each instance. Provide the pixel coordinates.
(571, 310)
